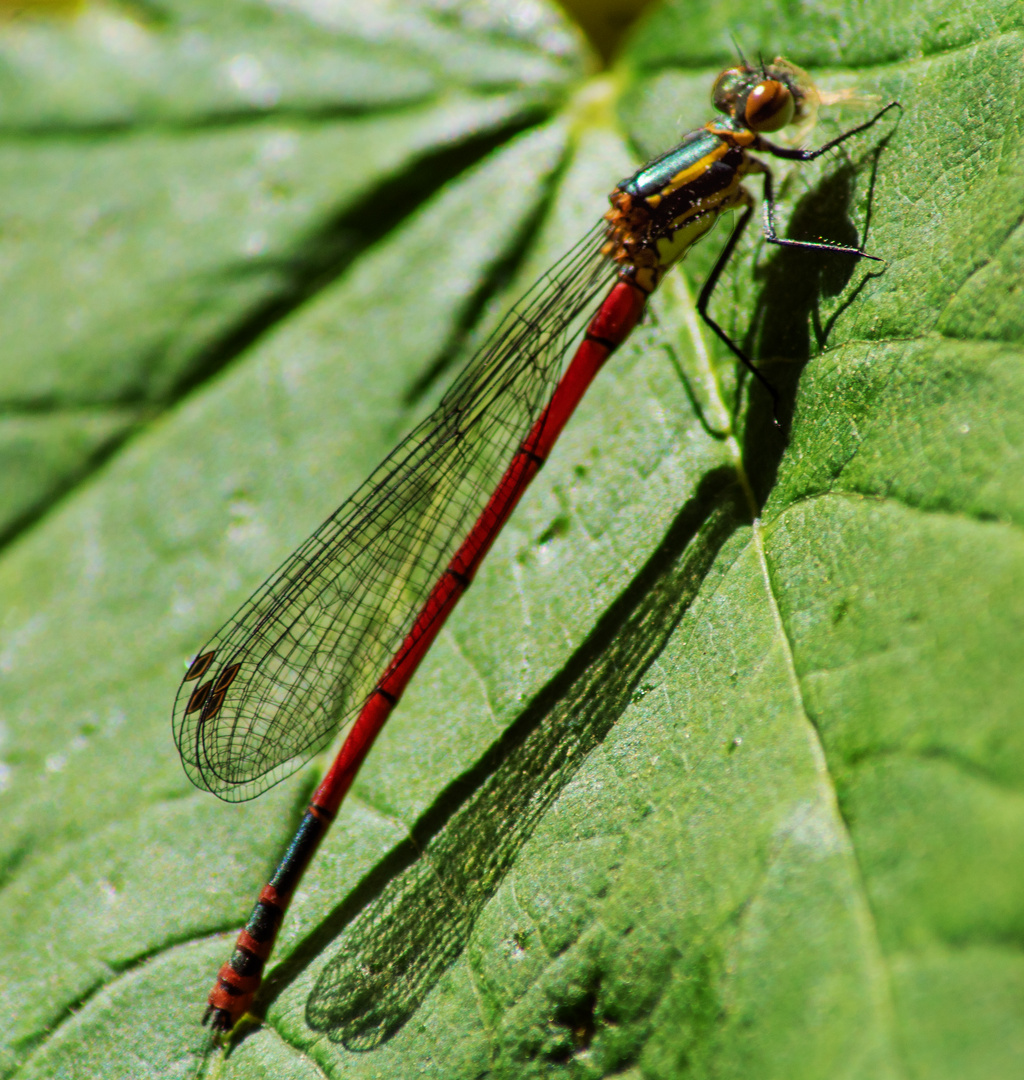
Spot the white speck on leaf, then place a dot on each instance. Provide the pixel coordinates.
(249, 78)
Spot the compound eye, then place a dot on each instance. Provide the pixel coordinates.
(727, 89)
(769, 106)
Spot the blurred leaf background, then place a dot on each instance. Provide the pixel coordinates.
(718, 769)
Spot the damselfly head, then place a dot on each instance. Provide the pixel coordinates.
(764, 98)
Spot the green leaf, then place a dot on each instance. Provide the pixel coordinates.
(717, 770)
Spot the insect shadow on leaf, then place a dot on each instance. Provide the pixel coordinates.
(788, 324)
(398, 932)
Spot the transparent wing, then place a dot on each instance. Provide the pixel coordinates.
(303, 654)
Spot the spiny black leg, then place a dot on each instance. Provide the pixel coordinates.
(705, 298)
(773, 238)
(810, 155)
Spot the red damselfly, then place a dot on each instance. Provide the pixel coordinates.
(338, 630)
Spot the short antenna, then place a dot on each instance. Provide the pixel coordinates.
(739, 51)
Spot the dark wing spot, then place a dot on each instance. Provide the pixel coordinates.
(198, 698)
(197, 669)
(225, 678)
(213, 704)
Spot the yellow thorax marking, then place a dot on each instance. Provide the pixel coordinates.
(718, 201)
(681, 179)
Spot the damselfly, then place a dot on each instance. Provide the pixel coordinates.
(338, 630)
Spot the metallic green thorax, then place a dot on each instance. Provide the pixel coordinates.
(658, 173)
